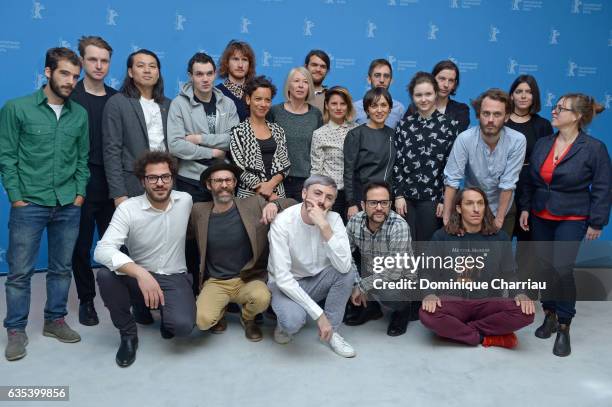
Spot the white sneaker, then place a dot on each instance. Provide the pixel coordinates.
(281, 337)
(341, 347)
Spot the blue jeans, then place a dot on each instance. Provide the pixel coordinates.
(558, 259)
(26, 225)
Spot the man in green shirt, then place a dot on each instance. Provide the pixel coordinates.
(44, 148)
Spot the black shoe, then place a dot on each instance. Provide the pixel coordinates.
(351, 311)
(164, 332)
(399, 322)
(415, 306)
(259, 319)
(562, 345)
(142, 315)
(126, 355)
(548, 327)
(232, 308)
(369, 313)
(87, 314)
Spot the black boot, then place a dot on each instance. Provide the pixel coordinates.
(126, 355)
(371, 312)
(548, 327)
(562, 343)
(399, 322)
(87, 314)
(351, 311)
(415, 306)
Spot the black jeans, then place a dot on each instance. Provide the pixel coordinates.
(93, 214)
(119, 292)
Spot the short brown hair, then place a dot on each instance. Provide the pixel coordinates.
(96, 41)
(455, 226)
(585, 106)
(346, 96)
(154, 157)
(494, 94)
(232, 47)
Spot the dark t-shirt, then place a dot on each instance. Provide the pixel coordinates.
(228, 249)
(210, 110)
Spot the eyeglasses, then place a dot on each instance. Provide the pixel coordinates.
(379, 75)
(383, 204)
(219, 181)
(152, 179)
(558, 109)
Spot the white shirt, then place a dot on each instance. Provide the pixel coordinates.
(155, 239)
(155, 126)
(57, 109)
(298, 250)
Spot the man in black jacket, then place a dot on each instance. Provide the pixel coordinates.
(97, 211)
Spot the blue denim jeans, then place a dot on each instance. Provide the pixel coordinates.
(26, 226)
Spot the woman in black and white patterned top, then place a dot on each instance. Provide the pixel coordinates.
(423, 141)
(327, 151)
(258, 146)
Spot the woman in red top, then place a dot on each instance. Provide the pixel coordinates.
(565, 199)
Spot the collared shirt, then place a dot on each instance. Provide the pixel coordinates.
(422, 146)
(397, 112)
(155, 239)
(327, 151)
(472, 160)
(155, 126)
(298, 250)
(42, 159)
(391, 238)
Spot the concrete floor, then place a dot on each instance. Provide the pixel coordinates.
(415, 369)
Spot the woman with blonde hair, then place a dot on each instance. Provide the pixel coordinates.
(299, 119)
(327, 153)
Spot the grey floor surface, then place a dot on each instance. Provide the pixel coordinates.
(415, 369)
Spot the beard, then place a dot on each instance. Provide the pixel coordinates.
(157, 198)
(58, 90)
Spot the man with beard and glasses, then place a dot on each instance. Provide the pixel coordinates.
(153, 227)
(379, 232)
(318, 64)
(310, 261)
(488, 156)
(232, 236)
(44, 147)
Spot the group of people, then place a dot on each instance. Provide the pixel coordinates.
(217, 198)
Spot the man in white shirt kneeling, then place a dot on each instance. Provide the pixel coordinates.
(153, 227)
(310, 261)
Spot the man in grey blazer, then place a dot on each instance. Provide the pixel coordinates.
(134, 121)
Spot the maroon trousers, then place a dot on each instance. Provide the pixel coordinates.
(465, 320)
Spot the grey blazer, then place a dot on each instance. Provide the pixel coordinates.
(125, 138)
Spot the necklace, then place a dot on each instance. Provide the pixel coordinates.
(521, 115)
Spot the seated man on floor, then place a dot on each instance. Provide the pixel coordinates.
(310, 261)
(232, 236)
(153, 227)
(464, 309)
(378, 233)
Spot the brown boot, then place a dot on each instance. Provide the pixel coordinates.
(219, 327)
(251, 330)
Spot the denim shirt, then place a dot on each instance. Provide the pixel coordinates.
(472, 160)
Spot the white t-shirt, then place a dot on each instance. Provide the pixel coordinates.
(57, 109)
(155, 127)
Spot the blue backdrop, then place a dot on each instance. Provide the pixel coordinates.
(566, 44)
